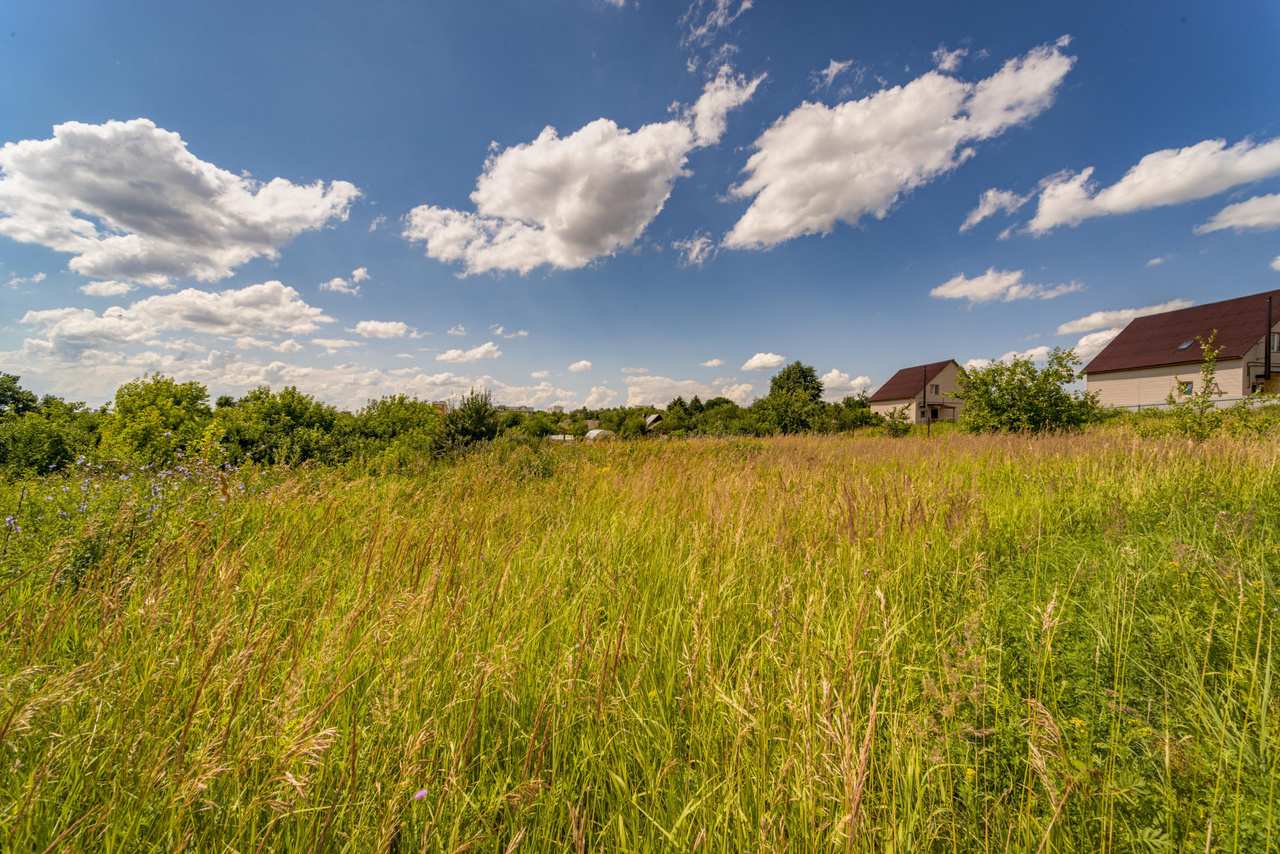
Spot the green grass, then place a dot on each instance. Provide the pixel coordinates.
(795, 644)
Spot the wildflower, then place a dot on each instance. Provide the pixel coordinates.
(420, 794)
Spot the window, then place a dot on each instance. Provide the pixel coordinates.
(1275, 342)
(1185, 344)
(1185, 387)
(933, 389)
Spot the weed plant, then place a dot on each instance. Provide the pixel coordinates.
(966, 644)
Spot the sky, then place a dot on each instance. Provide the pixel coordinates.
(614, 202)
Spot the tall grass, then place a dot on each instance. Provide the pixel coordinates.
(796, 644)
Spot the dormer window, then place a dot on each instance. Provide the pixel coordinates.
(1185, 344)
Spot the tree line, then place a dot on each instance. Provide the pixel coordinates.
(157, 421)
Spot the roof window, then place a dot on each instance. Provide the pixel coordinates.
(1185, 344)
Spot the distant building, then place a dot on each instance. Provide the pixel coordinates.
(559, 410)
(1160, 354)
(599, 435)
(652, 420)
(928, 392)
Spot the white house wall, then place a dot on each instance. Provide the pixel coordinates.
(1152, 386)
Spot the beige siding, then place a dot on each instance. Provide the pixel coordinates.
(946, 383)
(1152, 386)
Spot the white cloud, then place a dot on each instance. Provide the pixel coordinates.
(1104, 319)
(704, 28)
(635, 370)
(1156, 262)
(1004, 285)
(821, 165)
(109, 288)
(1259, 213)
(1091, 345)
(565, 201)
(457, 330)
(381, 329)
(340, 285)
(15, 280)
(579, 367)
(696, 250)
(251, 343)
(540, 375)
(712, 363)
(600, 397)
(360, 274)
(837, 385)
(659, 391)
(824, 78)
(763, 362)
(949, 60)
(1275, 263)
(503, 333)
(129, 202)
(254, 310)
(1035, 354)
(488, 350)
(1168, 177)
(725, 92)
(333, 345)
(377, 221)
(992, 202)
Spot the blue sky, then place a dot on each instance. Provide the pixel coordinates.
(596, 202)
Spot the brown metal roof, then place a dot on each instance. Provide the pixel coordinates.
(1155, 340)
(909, 382)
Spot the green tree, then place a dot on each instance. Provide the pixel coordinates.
(157, 420)
(287, 426)
(798, 380)
(474, 419)
(14, 398)
(794, 403)
(1016, 396)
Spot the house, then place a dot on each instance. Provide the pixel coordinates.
(928, 392)
(1161, 354)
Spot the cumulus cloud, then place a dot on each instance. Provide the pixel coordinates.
(1003, 285)
(540, 375)
(1156, 262)
(1168, 177)
(763, 362)
(109, 288)
(1117, 318)
(992, 202)
(488, 350)
(659, 391)
(635, 370)
(579, 367)
(129, 202)
(501, 332)
(712, 363)
(600, 397)
(15, 280)
(457, 330)
(821, 165)
(1275, 263)
(1260, 213)
(1091, 345)
(377, 221)
(360, 274)
(696, 250)
(837, 385)
(1035, 354)
(381, 329)
(333, 345)
(949, 60)
(250, 343)
(340, 285)
(254, 310)
(565, 201)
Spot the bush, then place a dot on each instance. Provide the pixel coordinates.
(1017, 396)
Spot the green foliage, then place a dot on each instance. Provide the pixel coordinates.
(897, 423)
(287, 427)
(14, 399)
(1017, 396)
(157, 420)
(797, 381)
(1197, 415)
(474, 419)
(794, 403)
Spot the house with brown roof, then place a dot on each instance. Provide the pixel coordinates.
(928, 392)
(1161, 354)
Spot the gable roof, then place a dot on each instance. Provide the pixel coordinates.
(909, 382)
(1155, 340)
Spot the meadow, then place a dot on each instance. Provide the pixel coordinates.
(961, 644)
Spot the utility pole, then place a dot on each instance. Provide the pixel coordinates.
(924, 403)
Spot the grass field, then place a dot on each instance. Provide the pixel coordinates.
(792, 644)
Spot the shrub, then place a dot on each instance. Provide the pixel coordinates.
(1016, 396)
